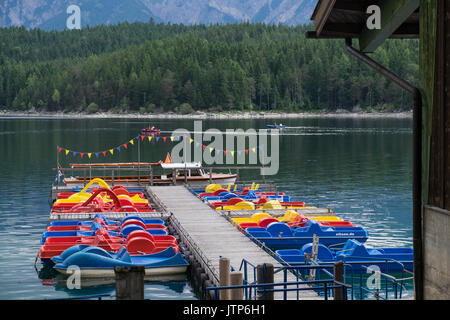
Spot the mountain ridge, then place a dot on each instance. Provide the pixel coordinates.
(51, 14)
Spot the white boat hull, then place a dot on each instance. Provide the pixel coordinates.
(108, 272)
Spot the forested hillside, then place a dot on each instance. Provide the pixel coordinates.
(150, 67)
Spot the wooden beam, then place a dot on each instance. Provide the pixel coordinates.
(393, 14)
(349, 30)
(322, 13)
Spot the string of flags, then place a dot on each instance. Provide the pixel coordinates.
(164, 139)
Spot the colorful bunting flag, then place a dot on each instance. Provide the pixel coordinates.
(172, 138)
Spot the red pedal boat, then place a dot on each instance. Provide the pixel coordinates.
(137, 242)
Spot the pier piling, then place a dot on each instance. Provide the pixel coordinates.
(265, 274)
(236, 279)
(339, 277)
(224, 272)
(129, 283)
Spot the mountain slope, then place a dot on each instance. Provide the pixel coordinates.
(51, 14)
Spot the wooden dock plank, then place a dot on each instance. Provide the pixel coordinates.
(216, 236)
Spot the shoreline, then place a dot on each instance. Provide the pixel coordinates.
(201, 115)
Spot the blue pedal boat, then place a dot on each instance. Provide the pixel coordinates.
(94, 262)
(279, 235)
(250, 196)
(389, 260)
(91, 232)
(356, 256)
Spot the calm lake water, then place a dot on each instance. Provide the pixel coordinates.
(362, 168)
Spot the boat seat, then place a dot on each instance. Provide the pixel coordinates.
(230, 196)
(233, 201)
(125, 202)
(259, 216)
(279, 229)
(141, 245)
(323, 253)
(264, 222)
(140, 233)
(245, 225)
(129, 228)
(131, 222)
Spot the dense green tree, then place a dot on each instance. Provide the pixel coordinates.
(151, 67)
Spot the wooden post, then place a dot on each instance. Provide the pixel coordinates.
(210, 175)
(174, 176)
(129, 283)
(236, 279)
(57, 168)
(151, 175)
(265, 275)
(139, 162)
(339, 276)
(224, 278)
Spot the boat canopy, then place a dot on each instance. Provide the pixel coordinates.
(186, 165)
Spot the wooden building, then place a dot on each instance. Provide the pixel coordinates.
(427, 20)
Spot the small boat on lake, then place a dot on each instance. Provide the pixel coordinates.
(150, 131)
(276, 126)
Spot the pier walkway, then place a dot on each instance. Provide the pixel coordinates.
(212, 236)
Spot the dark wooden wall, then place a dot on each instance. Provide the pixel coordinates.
(439, 178)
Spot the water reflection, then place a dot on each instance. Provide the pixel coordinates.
(359, 167)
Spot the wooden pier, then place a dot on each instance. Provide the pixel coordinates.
(210, 236)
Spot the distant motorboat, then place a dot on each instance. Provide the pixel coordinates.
(276, 126)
